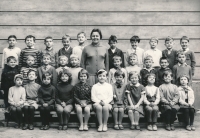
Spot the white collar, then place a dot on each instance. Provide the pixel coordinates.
(113, 50)
(187, 49)
(148, 69)
(185, 64)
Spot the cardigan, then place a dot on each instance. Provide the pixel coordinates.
(186, 93)
(170, 57)
(16, 95)
(117, 52)
(77, 50)
(82, 91)
(46, 94)
(94, 57)
(102, 92)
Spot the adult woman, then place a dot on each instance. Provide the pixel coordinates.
(94, 56)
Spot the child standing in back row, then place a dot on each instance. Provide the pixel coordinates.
(77, 50)
(11, 50)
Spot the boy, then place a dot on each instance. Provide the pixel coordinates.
(154, 52)
(135, 40)
(181, 68)
(63, 61)
(46, 67)
(132, 61)
(113, 51)
(30, 104)
(29, 50)
(30, 61)
(148, 62)
(11, 50)
(7, 77)
(81, 37)
(66, 50)
(169, 52)
(190, 58)
(164, 63)
(48, 41)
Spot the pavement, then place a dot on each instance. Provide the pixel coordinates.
(180, 132)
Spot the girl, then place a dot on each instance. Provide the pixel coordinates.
(133, 61)
(169, 97)
(186, 102)
(117, 62)
(16, 98)
(119, 96)
(94, 56)
(151, 100)
(46, 96)
(102, 95)
(82, 97)
(135, 95)
(75, 68)
(64, 98)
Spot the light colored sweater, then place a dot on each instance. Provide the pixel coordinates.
(16, 95)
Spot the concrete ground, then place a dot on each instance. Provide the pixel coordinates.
(10, 132)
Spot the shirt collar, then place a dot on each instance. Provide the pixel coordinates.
(187, 49)
(184, 64)
(148, 69)
(66, 49)
(113, 50)
(11, 47)
(30, 47)
(154, 49)
(49, 49)
(136, 85)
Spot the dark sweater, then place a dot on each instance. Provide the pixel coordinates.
(143, 74)
(46, 94)
(64, 93)
(82, 92)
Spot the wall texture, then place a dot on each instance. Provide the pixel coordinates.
(159, 18)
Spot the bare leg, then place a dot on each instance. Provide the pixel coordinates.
(80, 116)
(137, 117)
(121, 115)
(86, 115)
(115, 115)
(131, 117)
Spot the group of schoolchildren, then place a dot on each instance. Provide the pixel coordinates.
(142, 82)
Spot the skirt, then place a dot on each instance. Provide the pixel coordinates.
(139, 109)
(31, 103)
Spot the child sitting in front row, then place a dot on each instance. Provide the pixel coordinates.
(74, 69)
(135, 94)
(47, 68)
(118, 98)
(82, 97)
(16, 99)
(151, 100)
(186, 102)
(181, 68)
(117, 62)
(148, 61)
(132, 61)
(169, 97)
(46, 97)
(102, 96)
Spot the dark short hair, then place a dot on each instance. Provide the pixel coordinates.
(48, 37)
(47, 75)
(30, 36)
(96, 30)
(11, 58)
(65, 71)
(164, 58)
(167, 72)
(112, 38)
(101, 71)
(119, 73)
(184, 38)
(83, 71)
(12, 36)
(150, 74)
(31, 70)
(168, 39)
(135, 38)
(133, 73)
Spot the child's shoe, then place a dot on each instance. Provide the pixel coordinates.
(105, 128)
(154, 128)
(100, 128)
(116, 127)
(172, 127)
(192, 128)
(137, 127)
(42, 127)
(17, 126)
(31, 127)
(188, 128)
(132, 127)
(25, 127)
(65, 127)
(121, 127)
(46, 127)
(85, 127)
(60, 127)
(81, 128)
(168, 127)
(149, 127)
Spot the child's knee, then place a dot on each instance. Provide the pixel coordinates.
(115, 110)
(87, 110)
(78, 109)
(130, 112)
(121, 110)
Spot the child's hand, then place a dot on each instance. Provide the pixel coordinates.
(114, 96)
(63, 104)
(136, 106)
(83, 105)
(102, 103)
(45, 104)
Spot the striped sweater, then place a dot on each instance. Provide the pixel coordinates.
(25, 53)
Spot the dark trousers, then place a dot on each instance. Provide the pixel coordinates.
(170, 116)
(45, 114)
(28, 114)
(188, 114)
(16, 112)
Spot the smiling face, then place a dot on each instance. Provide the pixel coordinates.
(133, 60)
(183, 81)
(113, 44)
(184, 44)
(134, 44)
(30, 42)
(66, 43)
(102, 77)
(49, 43)
(117, 63)
(83, 78)
(81, 38)
(74, 62)
(167, 78)
(169, 44)
(153, 44)
(12, 63)
(12, 42)
(151, 79)
(46, 80)
(64, 78)
(134, 79)
(119, 78)
(164, 63)
(30, 61)
(95, 37)
(18, 82)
